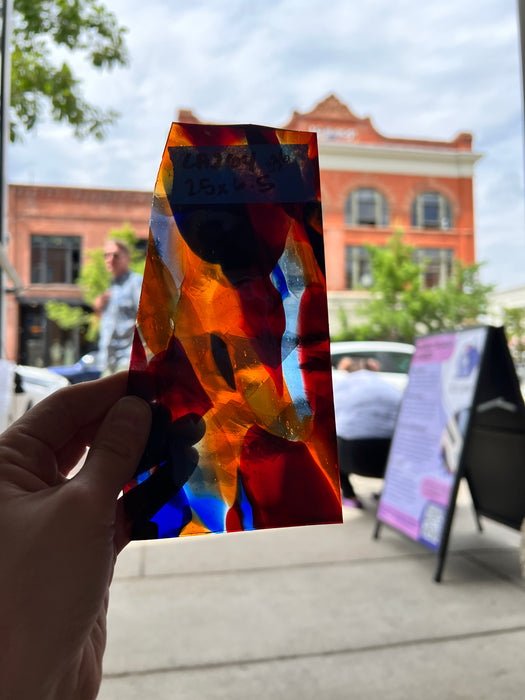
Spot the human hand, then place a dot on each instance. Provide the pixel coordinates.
(60, 537)
(169, 449)
(101, 301)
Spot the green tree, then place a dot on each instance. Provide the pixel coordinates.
(400, 307)
(93, 279)
(463, 299)
(42, 32)
(514, 322)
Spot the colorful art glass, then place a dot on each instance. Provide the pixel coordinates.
(231, 347)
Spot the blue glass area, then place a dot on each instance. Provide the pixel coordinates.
(172, 518)
(246, 509)
(290, 267)
(210, 510)
(279, 282)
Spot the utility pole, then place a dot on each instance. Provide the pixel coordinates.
(521, 29)
(5, 95)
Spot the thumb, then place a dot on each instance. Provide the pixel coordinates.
(117, 447)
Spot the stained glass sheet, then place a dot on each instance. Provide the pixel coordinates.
(231, 346)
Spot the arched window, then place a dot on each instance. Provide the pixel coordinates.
(366, 207)
(431, 210)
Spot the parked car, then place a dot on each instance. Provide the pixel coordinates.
(25, 386)
(393, 358)
(84, 370)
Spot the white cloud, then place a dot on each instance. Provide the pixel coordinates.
(418, 69)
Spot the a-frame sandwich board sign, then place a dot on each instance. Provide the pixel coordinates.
(462, 415)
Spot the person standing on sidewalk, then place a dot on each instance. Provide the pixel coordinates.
(118, 309)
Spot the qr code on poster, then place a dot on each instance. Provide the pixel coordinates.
(432, 524)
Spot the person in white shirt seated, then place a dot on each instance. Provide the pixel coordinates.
(366, 408)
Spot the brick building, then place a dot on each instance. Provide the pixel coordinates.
(50, 230)
(371, 185)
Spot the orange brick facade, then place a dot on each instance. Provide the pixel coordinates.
(399, 191)
(353, 157)
(64, 212)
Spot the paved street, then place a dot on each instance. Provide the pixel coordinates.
(323, 612)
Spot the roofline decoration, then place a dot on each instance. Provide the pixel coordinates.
(336, 123)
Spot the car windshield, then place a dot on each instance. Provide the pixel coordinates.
(396, 362)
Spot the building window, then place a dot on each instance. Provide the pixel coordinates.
(366, 207)
(55, 259)
(438, 265)
(43, 343)
(431, 210)
(358, 270)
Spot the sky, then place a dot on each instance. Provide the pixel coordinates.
(418, 70)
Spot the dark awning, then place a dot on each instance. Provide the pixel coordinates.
(31, 300)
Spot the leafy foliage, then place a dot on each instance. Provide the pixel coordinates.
(346, 331)
(65, 316)
(400, 307)
(514, 322)
(93, 279)
(45, 30)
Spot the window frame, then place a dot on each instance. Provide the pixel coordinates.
(70, 246)
(357, 199)
(357, 265)
(444, 221)
(436, 260)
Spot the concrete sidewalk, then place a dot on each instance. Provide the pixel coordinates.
(322, 613)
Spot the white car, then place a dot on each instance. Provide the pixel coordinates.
(393, 358)
(21, 387)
